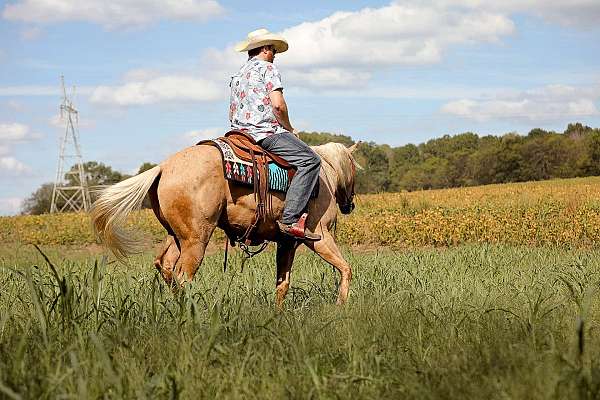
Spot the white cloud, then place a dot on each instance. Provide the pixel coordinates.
(11, 166)
(10, 205)
(166, 88)
(141, 74)
(15, 132)
(331, 78)
(111, 13)
(397, 34)
(343, 49)
(192, 137)
(540, 104)
(575, 13)
(578, 13)
(16, 106)
(59, 122)
(11, 134)
(56, 121)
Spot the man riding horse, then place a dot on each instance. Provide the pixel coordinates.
(257, 107)
(191, 195)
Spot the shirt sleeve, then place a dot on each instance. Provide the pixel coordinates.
(232, 105)
(272, 78)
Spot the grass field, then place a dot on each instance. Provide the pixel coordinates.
(473, 321)
(475, 293)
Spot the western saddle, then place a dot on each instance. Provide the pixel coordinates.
(246, 148)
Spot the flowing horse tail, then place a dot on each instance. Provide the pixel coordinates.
(109, 213)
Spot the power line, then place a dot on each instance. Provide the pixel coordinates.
(71, 186)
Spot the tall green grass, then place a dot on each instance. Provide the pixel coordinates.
(467, 322)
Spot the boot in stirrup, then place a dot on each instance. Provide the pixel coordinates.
(297, 230)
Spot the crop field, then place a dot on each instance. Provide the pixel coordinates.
(487, 292)
(558, 212)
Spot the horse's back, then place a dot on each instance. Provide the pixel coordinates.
(192, 181)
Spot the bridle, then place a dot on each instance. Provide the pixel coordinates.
(347, 205)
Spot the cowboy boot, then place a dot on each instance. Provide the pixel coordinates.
(297, 230)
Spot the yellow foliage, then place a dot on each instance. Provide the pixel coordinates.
(558, 212)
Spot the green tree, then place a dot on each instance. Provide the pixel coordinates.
(319, 138)
(146, 166)
(376, 177)
(537, 132)
(577, 130)
(430, 174)
(498, 160)
(548, 156)
(402, 160)
(39, 201)
(589, 161)
(97, 174)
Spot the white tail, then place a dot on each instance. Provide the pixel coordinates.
(109, 213)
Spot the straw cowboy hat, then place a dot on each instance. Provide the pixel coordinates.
(262, 37)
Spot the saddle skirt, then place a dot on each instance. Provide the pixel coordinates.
(242, 171)
(245, 162)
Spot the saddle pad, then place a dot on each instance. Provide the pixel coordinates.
(238, 170)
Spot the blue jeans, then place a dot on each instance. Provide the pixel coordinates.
(308, 165)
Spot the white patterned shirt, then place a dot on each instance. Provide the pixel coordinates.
(249, 104)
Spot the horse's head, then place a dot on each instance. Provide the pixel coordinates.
(344, 165)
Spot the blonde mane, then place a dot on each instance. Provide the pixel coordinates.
(341, 160)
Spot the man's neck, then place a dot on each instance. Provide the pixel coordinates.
(261, 57)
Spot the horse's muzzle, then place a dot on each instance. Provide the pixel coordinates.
(347, 208)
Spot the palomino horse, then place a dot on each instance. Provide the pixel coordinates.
(191, 197)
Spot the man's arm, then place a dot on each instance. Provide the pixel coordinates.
(280, 110)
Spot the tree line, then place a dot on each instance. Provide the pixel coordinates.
(97, 176)
(466, 159)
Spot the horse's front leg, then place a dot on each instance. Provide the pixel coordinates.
(328, 250)
(286, 251)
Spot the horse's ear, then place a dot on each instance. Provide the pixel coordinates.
(352, 148)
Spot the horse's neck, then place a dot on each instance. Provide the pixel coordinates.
(331, 176)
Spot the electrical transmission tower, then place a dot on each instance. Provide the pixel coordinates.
(71, 191)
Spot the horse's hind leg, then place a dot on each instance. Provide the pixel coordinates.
(166, 259)
(168, 254)
(327, 249)
(285, 257)
(192, 253)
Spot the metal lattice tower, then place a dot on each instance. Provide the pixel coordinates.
(70, 186)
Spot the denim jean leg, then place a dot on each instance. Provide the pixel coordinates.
(308, 165)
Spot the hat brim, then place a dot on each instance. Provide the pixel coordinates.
(280, 43)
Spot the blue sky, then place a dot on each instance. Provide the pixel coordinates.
(152, 76)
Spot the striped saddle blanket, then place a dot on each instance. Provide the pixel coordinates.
(242, 171)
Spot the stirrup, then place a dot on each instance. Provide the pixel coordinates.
(297, 230)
